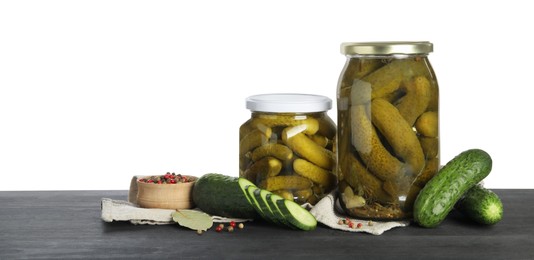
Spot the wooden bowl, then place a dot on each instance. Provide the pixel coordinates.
(166, 196)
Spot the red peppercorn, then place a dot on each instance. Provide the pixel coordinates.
(359, 225)
(351, 225)
(159, 181)
(218, 229)
(150, 181)
(172, 181)
(232, 224)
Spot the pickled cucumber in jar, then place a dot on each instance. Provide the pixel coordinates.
(388, 122)
(287, 146)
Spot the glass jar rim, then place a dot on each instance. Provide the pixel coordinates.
(288, 103)
(386, 48)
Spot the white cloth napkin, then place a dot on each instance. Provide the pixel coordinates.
(120, 210)
(326, 212)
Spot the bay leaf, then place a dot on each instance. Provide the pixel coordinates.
(192, 219)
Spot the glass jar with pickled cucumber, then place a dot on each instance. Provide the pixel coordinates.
(388, 122)
(287, 146)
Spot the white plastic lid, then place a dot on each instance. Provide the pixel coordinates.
(288, 103)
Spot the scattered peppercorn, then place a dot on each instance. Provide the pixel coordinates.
(241, 225)
(230, 229)
(232, 224)
(218, 229)
(199, 232)
(359, 225)
(221, 225)
(370, 223)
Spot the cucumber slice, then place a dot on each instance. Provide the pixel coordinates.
(297, 215)
(244, 184)
(256, 204)
(271, 199)
(259, 195)
(276, 209)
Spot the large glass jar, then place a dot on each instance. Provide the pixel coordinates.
(388, 122)
(286, 146)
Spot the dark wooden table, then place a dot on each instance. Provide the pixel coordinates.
(67, 224)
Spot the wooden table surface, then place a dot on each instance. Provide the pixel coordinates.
(67, 224)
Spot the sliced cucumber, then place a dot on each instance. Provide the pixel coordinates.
(256, 204)
(297, 215)
(244, 184)
(276, 209)
(271, 201)
(259, 195)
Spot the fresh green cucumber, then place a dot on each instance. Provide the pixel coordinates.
(221, 195)
(481, 205)
(298, 216)
(441, 193)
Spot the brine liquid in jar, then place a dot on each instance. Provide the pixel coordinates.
(388, 122)
(286, 146)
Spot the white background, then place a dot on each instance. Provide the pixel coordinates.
(93, 92)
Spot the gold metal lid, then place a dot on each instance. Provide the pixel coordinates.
(386, 48)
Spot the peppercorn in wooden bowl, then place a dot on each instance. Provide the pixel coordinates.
(169, 191)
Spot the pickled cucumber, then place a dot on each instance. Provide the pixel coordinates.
(356, 69)
(361, 179)
(292, 182)
(308, 149)
(249, 127)
(327, 127)
(320, 140)
(431, 168)
(319, 190)
(415, 102)
(430, 146)
(368, 145)
(315, 173)
(278, 151)
(398, 134)
(427, 124)
(266, 167)
(302, 196)
(386, 79)
(284, 194)
(433, 104)
(254, 139)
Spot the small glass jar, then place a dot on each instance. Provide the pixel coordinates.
(388, 122)
(287, 146)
